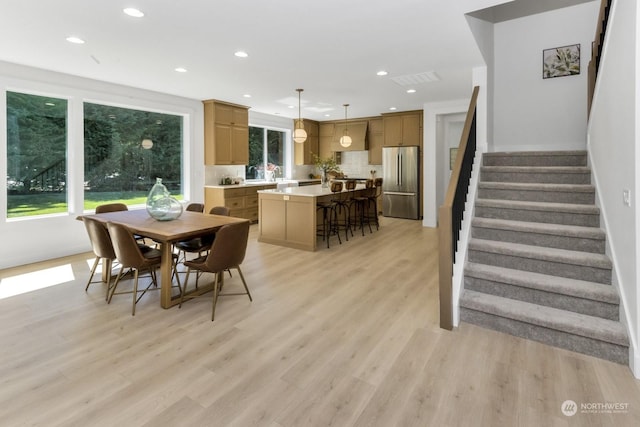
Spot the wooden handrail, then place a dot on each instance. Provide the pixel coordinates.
(452, 210)
(596, 50)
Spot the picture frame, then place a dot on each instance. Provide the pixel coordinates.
(561, 61)
(453, 152)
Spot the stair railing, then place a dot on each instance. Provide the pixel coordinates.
(451, 212)
(596, 49)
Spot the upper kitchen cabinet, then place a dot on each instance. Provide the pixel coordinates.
(375, 135)
(303, 152)
(226, 133)
(326, 136)
(402, 128)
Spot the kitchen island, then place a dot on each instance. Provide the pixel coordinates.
(287, 217)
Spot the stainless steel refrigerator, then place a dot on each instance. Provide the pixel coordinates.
(400, 185)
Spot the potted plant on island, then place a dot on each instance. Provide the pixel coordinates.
(325, 166)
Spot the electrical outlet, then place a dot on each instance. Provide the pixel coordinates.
(626, 197)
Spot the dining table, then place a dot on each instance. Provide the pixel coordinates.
(166, 234)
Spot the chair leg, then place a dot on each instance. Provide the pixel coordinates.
(115, 284)
(215, 294)
(135, 292)
(244, 283)
(184, 290)
(93, 270)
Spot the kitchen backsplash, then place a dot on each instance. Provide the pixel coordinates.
(355, 164)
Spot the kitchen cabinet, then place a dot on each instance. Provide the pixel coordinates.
(226, 133)
(375, 136)
(241, 200)
(402, 128)
(303, 152)
(325, 139)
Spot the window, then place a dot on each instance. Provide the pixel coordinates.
(36, 155)
(125, 150)
(266, 152)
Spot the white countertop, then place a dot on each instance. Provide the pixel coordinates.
(256, 183)
(306, 191)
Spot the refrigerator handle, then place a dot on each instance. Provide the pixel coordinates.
(400, 171)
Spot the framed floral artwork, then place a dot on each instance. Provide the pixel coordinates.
(561, 61)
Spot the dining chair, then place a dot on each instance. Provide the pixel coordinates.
(130, 255)
(227, 252)
(111, 207)
(201, 244)
(195, 207)
(102, 248)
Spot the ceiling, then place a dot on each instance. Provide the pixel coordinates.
(332, 49)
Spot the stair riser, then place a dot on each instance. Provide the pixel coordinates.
(566, 218)
(571, 271)
(542, 160)
(538, 239)
(579, 198)
(541, 178)
(549, 299)
(592, 347)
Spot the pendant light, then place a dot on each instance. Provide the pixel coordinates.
(299, 134)
(345, 139)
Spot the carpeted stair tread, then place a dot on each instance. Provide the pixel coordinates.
(543, 282)
(541, 253)
(539, 206)
(536, 158)
(541, 228)
(527, 186)
(536, 169)
(552, 318)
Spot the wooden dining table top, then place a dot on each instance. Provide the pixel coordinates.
(188, 225)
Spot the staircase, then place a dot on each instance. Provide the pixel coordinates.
(536, 266)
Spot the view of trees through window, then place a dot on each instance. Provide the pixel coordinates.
(36, 155)
(266, 152)
(125, 150)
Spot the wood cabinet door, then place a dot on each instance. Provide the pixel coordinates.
(222, 144)
(239, 145)
(411, 129)
(392, 130)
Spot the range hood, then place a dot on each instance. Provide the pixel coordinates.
(358, 133)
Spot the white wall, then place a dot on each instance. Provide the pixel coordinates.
(39, 238)
(614, 150)
(527, 107)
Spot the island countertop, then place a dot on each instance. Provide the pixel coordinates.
(306, 191)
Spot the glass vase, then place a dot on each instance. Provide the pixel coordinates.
(160, 204)
(324, 179)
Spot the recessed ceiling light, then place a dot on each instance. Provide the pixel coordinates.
(392, 108)
(327, 115)
(246, 95)
(241, 54)
(291, 106)
(181, 70)
(76, 40)
(382, 73)
(133, 12)
(411, 91)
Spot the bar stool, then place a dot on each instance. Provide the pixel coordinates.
(329, 215)
(362, 206)
(372, 205)
(344, 204)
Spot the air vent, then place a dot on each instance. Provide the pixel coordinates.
(416, 79)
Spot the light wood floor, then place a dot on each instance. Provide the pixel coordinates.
(347, 336)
